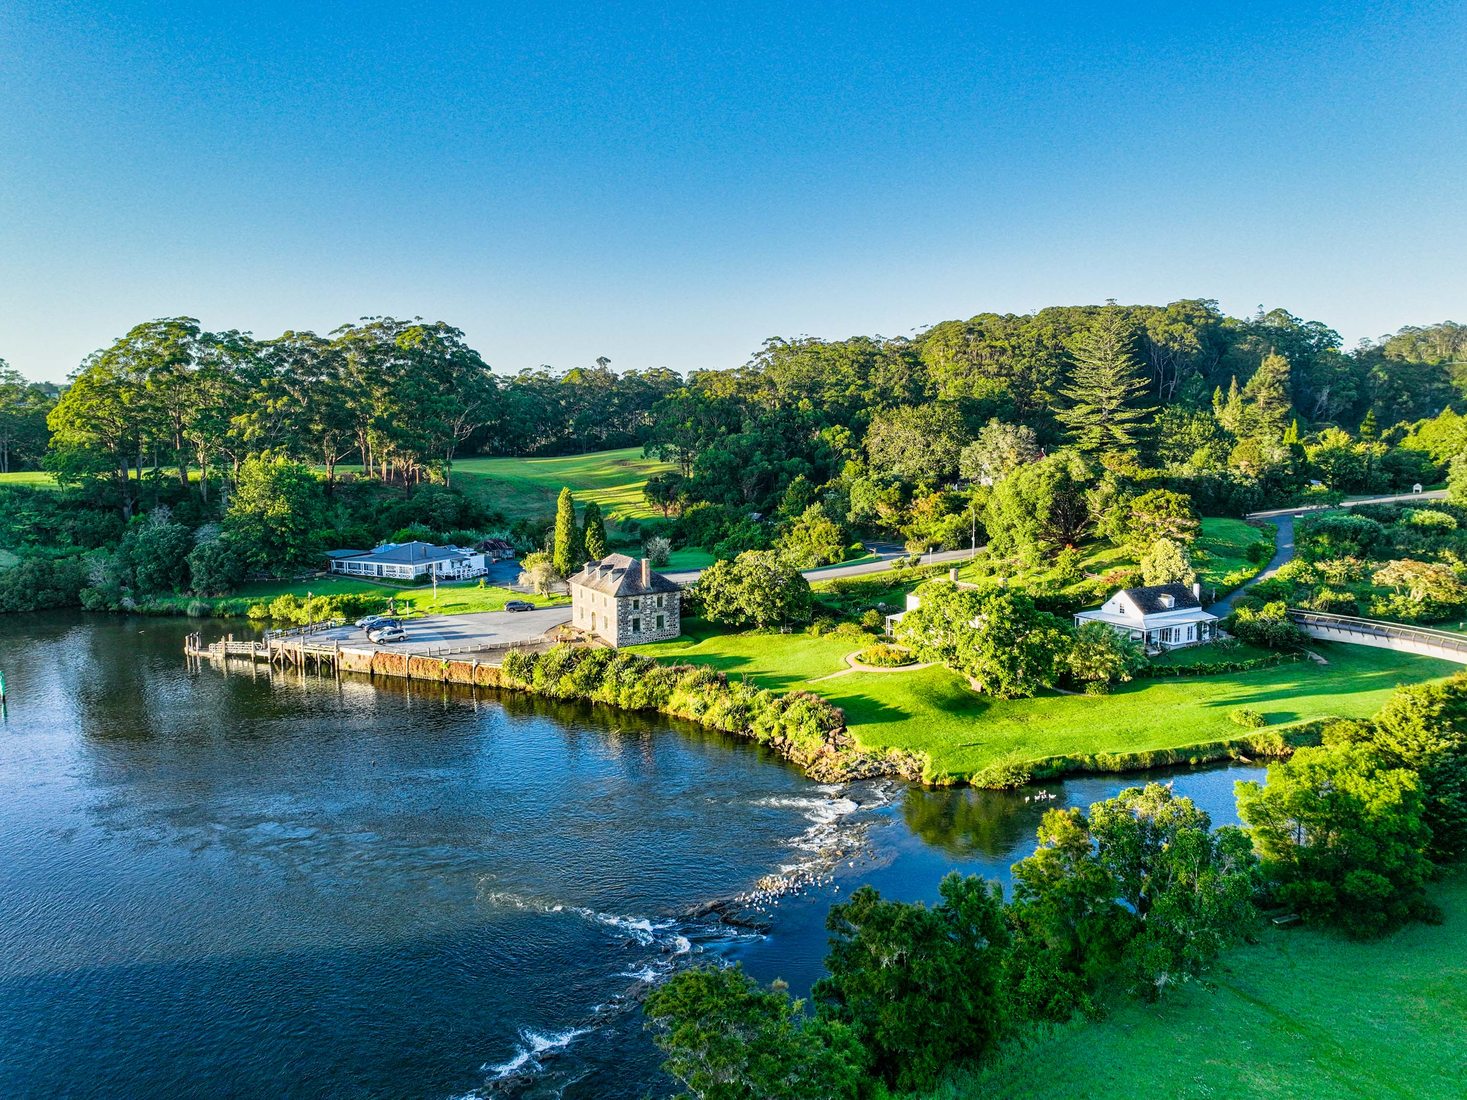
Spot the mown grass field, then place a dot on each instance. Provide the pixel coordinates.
(30, 479)
(1304, 1014)
(933, 712)
(456, 598)
(528, 486)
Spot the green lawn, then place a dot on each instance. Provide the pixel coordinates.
(453, 599)
(1303, 1014)
(689, 557)
(528, 486)
(779, 661)
(30, 479)
(933, 712)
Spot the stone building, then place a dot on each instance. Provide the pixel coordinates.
(623, 601)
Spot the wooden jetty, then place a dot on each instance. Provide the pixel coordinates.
(278, 652)
(302, 652)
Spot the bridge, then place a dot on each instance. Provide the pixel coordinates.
(1442, 644)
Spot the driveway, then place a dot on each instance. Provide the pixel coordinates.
(1283, 519)
(431, 633)
(1283, 552)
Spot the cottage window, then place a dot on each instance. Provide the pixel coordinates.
(660, 625)
(659, 601)
(636, 603)
(636, 625)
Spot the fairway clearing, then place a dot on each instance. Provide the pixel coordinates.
(28, 479)
(1303, 1014)
(521, 487)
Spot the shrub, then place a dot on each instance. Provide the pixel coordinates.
(1269, 627)
(1247, 718)
(659, 549)
(883, 655)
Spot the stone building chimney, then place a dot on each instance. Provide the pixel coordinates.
(1197, 590)
(646, 572)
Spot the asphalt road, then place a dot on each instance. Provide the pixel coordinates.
(885, 555)
(430, 633)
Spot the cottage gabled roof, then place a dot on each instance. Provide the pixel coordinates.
(619, 575)
(1149, 598)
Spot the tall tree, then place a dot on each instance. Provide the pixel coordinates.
(566, 552)
(23, 409)
(1105, 383)
(593, 532)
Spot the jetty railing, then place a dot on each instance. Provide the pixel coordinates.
(303, 631)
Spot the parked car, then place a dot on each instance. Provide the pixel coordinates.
(386, 635)
(372, 622)
(519, 605)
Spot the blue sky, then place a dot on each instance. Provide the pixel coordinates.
(669, 185)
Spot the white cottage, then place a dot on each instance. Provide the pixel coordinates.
(1162, 616)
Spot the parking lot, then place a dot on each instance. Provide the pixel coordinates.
(431, 633)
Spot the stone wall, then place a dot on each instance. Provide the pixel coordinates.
(646, 615)
(611, 618)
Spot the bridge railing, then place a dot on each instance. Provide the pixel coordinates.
(1421, 635)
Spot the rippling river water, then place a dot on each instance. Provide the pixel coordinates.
(265, 887)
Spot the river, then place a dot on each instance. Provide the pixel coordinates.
(255, 886)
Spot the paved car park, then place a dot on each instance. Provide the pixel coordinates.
(429, 633)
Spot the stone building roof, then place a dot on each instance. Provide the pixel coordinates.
(618, 575)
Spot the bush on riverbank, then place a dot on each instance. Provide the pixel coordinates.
(800, 725)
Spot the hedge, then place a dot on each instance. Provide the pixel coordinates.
(1217, 668)
(799, 725)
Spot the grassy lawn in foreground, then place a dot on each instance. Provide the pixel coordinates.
(932, 711)
(457, 598)
(528, 486)
(1303, 1014)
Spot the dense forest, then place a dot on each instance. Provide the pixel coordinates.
(1028, 431)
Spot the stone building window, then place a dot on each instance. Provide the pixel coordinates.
(636, 625)
(660, 622)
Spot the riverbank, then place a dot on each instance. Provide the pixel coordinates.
(961, 737)
(924, 725)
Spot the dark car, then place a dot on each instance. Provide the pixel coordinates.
(519, 605)
(373, 622)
